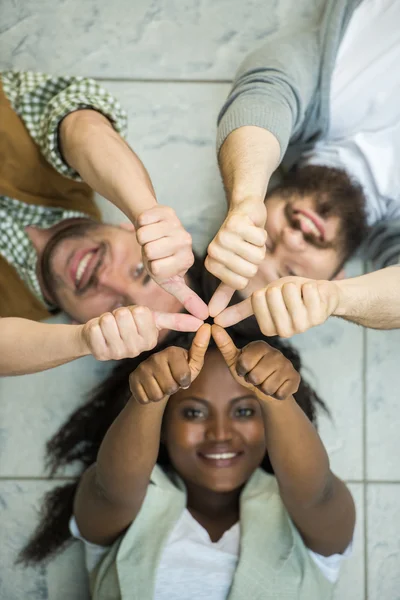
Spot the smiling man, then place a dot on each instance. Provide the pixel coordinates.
(322, 100)
(60, 139)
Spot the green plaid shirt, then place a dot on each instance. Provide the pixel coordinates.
(42, 101)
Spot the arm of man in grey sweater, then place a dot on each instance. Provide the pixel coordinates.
(280, 95)
(266, 107)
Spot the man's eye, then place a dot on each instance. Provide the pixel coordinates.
(138, 271)
(193, 413)
(244, 413)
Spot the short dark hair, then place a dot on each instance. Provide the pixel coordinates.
(335, 190)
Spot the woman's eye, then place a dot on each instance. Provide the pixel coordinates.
(244, 413)
(193, 413)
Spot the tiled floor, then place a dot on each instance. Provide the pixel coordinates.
(170, 63)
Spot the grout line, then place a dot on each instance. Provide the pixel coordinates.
(154, 80)
(37, 478)
(71, 478)
(364, 449)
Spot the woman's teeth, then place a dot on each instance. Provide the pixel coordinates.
(82, 267)
(222, 455)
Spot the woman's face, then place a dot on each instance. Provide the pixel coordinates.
(214, 431)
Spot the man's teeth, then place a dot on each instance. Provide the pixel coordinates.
(222, 455)
(82, 267)
(310, 225)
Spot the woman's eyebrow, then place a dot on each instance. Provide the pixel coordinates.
(196, 398)
(245, 397)
(207, 402)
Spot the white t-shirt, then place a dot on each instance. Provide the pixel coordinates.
(192, 566)
(364, 134)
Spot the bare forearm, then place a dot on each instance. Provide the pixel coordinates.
(29, 347)
(129, 451)
(299, 459)
(106, 162)
(247, 159)
(372, 300)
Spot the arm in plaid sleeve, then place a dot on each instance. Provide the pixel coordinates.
(79, 140)
(42, 102)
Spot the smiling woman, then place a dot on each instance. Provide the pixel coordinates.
(181, 463)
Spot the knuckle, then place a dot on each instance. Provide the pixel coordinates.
(106, 318)
(156, 268)
(212, 248)
(186, 238)
(240, 282)
(140, 311)
(252, 269)
(149, 250)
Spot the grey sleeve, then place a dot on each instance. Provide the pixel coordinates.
(274, 87)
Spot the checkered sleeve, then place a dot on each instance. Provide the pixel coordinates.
(42, 101)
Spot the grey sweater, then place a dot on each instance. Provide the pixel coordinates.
(284, 86)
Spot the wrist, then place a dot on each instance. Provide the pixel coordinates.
(344, 298)
(238, 199)
(80, 341)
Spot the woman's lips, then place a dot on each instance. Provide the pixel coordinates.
(220, 459)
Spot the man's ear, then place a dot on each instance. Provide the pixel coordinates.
(127, 225)
(340, 275)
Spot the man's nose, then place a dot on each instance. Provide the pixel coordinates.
(116, 281)
(293, 239)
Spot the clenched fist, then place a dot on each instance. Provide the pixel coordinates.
(258, 367)
(129, 331)
(287, 306)
(167, 255)
(237, 250)
(164, 373)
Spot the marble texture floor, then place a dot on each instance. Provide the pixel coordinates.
(170, 64)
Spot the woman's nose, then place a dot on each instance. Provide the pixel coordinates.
(219, 429)
(293, 239)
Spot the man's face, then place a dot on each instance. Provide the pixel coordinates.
(90, 268)
(303, 240)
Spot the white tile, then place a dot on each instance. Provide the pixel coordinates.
(172, 128)
(141, 39)
(383, 540)
(351, 582)
(32, 407)
(333, 355)
(383, 417)
(63, 579)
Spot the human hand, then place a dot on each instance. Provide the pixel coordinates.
(287, 306)
(129, 331)
(237, 250)
(167, 255)
(164, 373)
(258, 367)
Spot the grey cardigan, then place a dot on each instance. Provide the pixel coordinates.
(284, 86)
(274, 563)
